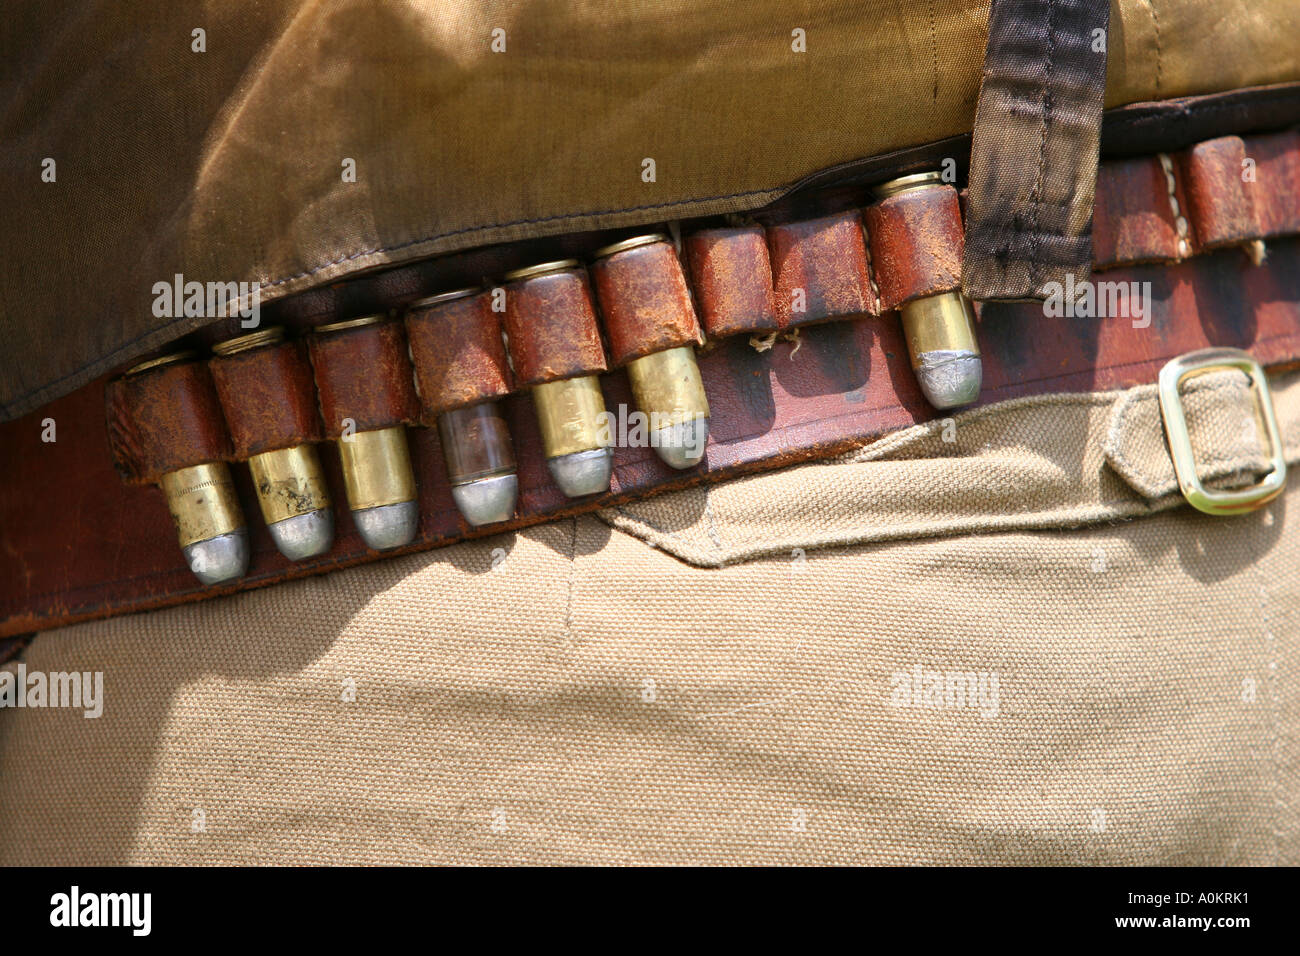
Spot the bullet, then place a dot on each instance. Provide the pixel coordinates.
(668, 388)
(647, 307)
(480, 462)
(290, 485)
(380, 486)
(295, 501)
(939, 329)
(570, 416)
(209, 523)
(552, 325)
(459, 360)
(940, 333)
(205, 509)
(377, 473)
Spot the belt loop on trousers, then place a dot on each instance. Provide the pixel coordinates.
(1198, 495)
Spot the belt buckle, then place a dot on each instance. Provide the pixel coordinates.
(1236, 501)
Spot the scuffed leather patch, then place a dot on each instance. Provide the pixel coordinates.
(164, 419)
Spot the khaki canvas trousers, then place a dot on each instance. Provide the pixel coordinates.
(997, 638)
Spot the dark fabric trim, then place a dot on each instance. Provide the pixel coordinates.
(1167, 126)
(1035, 147)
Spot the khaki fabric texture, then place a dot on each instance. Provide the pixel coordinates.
(227, 165)
(1055, 461)
(575, 694)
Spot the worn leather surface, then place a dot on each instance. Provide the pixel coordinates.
(916, 244)
(733, 278)
(1133, 218)
(819, 269)
(100, 547)
(1230, 190)
(268, 398)
(551, 323)
(364, 374)
(1242, 189)
(1220, 204)
(644, 301)
(160, 420)
(1277, 166)
(458, 354)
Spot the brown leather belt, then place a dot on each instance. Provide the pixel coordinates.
(76, 543)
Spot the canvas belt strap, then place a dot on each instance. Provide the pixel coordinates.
(1035, 147)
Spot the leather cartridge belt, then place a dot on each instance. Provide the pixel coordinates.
(426, 396)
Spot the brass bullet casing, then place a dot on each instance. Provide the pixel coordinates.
(377, 474)
(647, 306)
(290, 484)
(571, 414)
(203, 502)
(936, 323)
(380, 485)
(575, 432)
(205, 509)
(911, 181)
(940, 329)
(377, 468)
(295, 500)
(668, 388)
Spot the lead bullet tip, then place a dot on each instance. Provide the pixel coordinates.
(682, 445)
(220, 559)
(304, 536)
(487, 500)
(388, 526)
(949, 378)
(583, 472)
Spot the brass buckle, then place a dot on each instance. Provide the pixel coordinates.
(1240, 500)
